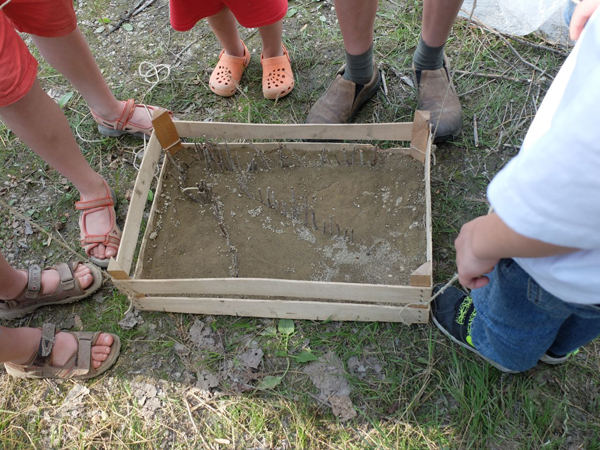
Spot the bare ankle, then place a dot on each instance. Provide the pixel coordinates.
(14, 285)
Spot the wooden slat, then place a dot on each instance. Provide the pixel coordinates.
(137, 204)
(349, 132)
(165, 131)
(422, 276)
(420, 135)
(287, 309)
(281, 288)
(428, 225)
(152, 219)
(298, 146)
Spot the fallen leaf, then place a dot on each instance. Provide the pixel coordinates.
(269, 382)
(285, 326)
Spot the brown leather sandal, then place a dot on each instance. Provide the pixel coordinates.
(78, 367)
(68, 290)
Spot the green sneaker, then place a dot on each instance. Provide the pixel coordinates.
(453, 313)
(554, 359)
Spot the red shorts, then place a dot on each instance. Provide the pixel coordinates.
(46, 18)
(249, 13)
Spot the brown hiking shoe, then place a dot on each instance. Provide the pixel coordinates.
(437, 95)
(339, 104)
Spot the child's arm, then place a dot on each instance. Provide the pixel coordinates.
(485, 240)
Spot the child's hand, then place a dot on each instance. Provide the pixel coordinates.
(470, 267)
(580, 17)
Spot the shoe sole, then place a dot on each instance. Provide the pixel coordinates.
(110, 132)
(500, 367)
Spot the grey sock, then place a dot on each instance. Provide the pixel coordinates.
(359, 68)
(428, 58)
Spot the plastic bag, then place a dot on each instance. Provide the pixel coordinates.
(521, 17)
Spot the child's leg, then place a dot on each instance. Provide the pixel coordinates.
(516, 320)
(224, 25)
(39, 122)
(71, 56)
(575, 332)
(271, 39)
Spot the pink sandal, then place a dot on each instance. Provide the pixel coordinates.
(278, 78)
(112, 238)
(124, 125)
(227, 75)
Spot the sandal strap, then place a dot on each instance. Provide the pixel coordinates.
(128, 109)
(85, 340)
(66, 275)
(46, 343)
(106, 239)
(98, 203)
(34, 281)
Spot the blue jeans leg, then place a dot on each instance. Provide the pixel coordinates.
(517, 321)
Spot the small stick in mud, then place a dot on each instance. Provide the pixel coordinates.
(330, 225)
(314, 220)
(374, 157)
(293, 198)
(353, 152)
(323, 227)
(284, 206)
(260, 196)
(234, 260)
(222, 227)
(368, 253)
(323, 156)
(352, 235)
(346, 234)
(230, 158)
(261, 155)
(280, 155)
(360, 153)
(273, 201)
(345, 157)
(338, 229)
(237, 158)
(269, 197)
(306, 216)
(338, 161)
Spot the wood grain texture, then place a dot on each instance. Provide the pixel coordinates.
(281, 288)
(401, 131)
(285, 309)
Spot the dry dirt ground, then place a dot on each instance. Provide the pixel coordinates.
(186, 381)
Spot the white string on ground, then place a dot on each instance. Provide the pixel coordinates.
(441, 291)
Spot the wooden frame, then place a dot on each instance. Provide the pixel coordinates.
(271, 297)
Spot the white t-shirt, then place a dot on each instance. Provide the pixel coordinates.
(551, 190)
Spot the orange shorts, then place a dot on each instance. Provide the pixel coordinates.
(249, 13)
(46, 18)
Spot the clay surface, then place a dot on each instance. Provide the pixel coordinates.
(255, 217)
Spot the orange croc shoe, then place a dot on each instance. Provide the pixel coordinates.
(226, 77)
(278, 78)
